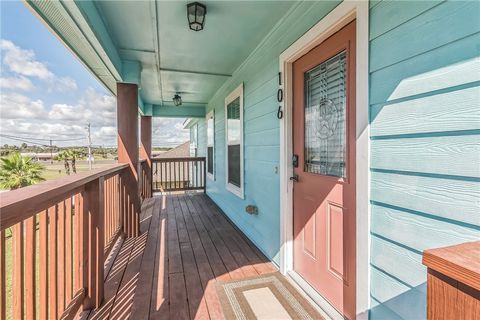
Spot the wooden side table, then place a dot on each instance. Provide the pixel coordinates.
(453, 282)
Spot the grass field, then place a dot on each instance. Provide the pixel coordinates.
(57, 169)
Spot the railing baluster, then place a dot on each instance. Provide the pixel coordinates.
(3, 305)
(169, 175)
(18, 295)
(161, 175)
(83, 248)
(196, 173)
(107, 210)
(188, 171)
(52, 288)
(30, 254)
(78, 241)
(204, 185)
(68, 249)
(61, 257)
(43, 270)
(175, 174)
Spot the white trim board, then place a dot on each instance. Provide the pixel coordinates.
(344, 13)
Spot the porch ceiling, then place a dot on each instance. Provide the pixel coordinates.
(176, 59)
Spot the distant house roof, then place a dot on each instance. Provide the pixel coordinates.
(179, 151)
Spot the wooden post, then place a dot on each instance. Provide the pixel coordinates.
(146, 149)
(127, 126)
(93, 212)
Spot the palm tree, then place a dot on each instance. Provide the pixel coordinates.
(64, 156)
(74, 154)
(17, 171)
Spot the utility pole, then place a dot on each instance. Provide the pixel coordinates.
(51, 152)
(89, 147)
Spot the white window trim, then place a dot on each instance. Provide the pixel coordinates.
(344, 13)
(238, 191)
(194, 143)
(211, 115)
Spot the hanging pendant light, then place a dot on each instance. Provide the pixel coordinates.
(177, 100)
(196, 15)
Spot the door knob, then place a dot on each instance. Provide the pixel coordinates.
(294, 178)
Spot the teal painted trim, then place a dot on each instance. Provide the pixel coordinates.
(183, 111)
(141, 106)
(456, 133)
(426, 174)
(426, 215)
(68, 44)
(148, 109)
(131, 71)
(94, 20)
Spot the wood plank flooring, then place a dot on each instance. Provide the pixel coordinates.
(169, 271)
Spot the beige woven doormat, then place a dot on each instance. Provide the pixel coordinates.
(263, 297)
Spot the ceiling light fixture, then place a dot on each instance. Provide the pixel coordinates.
(196, 13)
(177, 100)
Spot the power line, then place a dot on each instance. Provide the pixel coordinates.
(38, 139)
(27, 141)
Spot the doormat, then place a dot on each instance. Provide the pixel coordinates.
(264, 297)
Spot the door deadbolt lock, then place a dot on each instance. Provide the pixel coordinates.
(294, 178)
(295, 160)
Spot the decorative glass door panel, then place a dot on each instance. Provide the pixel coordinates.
(325, 117)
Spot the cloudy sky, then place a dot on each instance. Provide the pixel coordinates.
(46, 93)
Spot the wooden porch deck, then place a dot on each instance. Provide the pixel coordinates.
(169, 271)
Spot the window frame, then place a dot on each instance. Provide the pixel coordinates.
(211, 115)
(238, 191)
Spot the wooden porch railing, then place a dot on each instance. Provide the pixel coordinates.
(177, 174)
(60, 232)
(145, 179)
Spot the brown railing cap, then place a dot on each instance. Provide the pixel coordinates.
(20, 204)
(460, 262)
(178, 159)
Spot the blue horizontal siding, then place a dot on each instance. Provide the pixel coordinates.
(259, 74)
(425, 143)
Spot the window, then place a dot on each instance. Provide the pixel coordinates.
(325, 117)
(193, 140)
(211, 145)
(234, 139)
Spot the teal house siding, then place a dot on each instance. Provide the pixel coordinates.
(259, 75)
(425, 143)
(424, 95)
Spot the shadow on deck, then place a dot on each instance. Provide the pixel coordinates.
(169, 271)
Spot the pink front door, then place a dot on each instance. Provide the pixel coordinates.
(324, 190)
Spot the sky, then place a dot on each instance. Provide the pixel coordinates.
(46, 92)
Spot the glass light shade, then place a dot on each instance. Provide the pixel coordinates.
(196, 15)
(177, 100)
